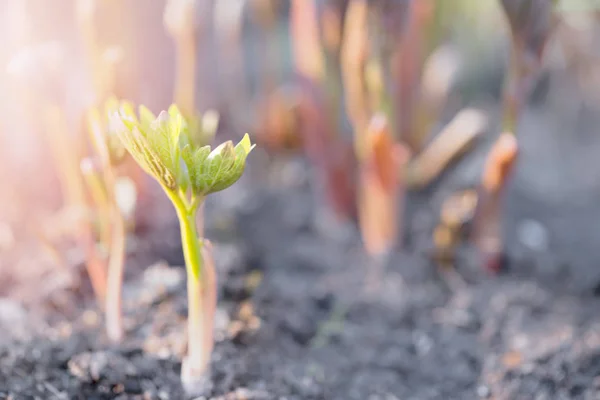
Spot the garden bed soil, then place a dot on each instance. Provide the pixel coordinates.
(296, 318)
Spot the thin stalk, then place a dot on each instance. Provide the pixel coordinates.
(487, 233)
(192, 251)
(117, 234)
(407, 68)
(380, 188)
(74, 191)
(209, 280)
(99, 195)
(116, 263)
(515, 88)
(201, 287)
(353, 59)
(331, 23)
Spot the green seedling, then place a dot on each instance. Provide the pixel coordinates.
(187, 173)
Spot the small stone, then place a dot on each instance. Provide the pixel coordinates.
(11, 312)
(246, 311)
(94, 366)
(163, 395)
(512, 359)
(533, 234)
(90, 318)
(161, 275)
(483, 391)
(254, 323)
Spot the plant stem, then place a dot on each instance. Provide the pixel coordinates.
(114, 319)
(201, 294)
(65, 151)
(516, 88)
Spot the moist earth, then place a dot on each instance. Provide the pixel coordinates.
(305, 314)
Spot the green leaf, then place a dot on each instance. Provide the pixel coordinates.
(194, 160)
(224, 166)
(142, 150)
(245, 144)
(163, 139)
(146, 118)
(164, 149)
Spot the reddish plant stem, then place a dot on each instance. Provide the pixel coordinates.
(487, 233)
(407, 67)
(333, 159)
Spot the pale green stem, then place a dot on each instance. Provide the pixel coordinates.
(116, 261)
(114, 319)
(198, 351)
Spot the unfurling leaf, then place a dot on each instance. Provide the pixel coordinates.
(213, 171)
(151, 143)
(163, 148)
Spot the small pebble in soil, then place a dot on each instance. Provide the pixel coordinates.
(94, 366)
(483, 392)
(533, 234)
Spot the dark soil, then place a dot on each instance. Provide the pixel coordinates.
(296, 317)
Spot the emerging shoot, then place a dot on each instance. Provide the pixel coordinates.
(379, 188)
(110, 152)
(531, 24)
(187, 173)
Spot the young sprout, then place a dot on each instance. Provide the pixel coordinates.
(354, 55)
(110, 152)
(487, 222)
(531, 24)
(92, 176)
(380, 187)
(187, 173)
